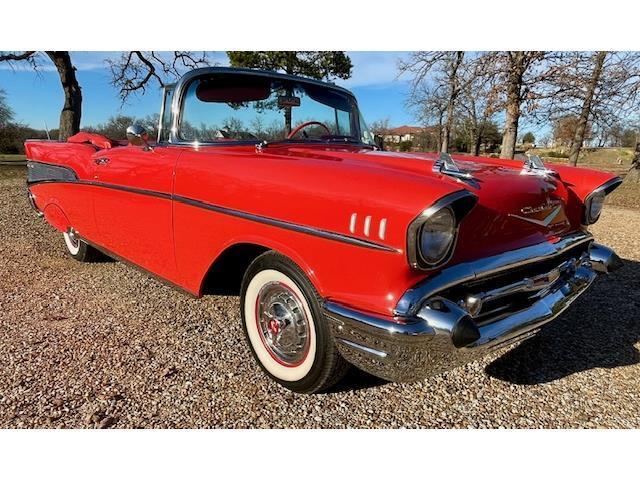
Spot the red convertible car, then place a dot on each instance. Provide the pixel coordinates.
(405, 265)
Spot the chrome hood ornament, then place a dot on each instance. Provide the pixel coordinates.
(447, 166)
(534, 165)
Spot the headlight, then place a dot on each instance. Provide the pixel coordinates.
(437, 235)
(431, 236)
(594, 206)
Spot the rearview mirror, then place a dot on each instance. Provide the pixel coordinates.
(137, 135)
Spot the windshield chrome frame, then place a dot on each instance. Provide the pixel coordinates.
(180, 91)
(165, 91)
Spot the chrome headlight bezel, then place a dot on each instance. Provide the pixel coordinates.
(596, 199)
(458, 204)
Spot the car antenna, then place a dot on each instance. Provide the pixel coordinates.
(46, 129)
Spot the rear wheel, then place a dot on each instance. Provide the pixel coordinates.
(285, 328)
(78, 248)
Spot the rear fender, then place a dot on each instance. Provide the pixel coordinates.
(54, 215)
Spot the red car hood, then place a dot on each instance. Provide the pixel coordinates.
(514, 208)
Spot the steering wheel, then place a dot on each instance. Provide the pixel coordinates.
(299, 128)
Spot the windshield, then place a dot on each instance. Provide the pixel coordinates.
(237, 107)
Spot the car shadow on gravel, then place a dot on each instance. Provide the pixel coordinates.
(356, 379)
(599, 330)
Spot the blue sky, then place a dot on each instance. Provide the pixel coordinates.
(37, 98)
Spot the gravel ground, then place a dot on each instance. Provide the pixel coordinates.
(104, 346)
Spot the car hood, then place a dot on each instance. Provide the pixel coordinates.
(514, 208)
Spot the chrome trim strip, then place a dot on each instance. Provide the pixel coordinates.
(411, 301)
(317, 232)
(286, 225)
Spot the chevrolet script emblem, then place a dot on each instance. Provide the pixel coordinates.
(536, 218)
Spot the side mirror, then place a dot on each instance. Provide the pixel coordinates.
(137, 135)
(379, 141)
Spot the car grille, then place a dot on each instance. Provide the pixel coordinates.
(491, 298)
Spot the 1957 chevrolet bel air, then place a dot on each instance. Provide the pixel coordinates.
(405, 265)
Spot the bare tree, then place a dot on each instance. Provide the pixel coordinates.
(583, 119)
(445, 71)
(520, 74)
(480, 99)
(380, 127)
(133, 71)
(72, 107)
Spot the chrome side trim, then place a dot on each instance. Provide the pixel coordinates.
(286, 225)
(410, 302)
(317, 232)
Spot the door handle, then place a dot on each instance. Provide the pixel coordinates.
(101, 161)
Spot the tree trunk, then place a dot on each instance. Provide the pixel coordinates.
(581, 128)
(453, 94)
(514, 99)
(446, 130)
(476, 148)
(72, 110)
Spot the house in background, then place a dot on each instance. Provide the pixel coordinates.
(411, 138)
(405, 133)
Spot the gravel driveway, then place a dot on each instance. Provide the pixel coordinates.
(102, 345)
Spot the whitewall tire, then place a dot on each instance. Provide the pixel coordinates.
(285, 328)
(78, 248)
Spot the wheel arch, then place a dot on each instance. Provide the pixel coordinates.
(225, 273)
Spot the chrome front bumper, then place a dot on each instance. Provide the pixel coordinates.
(432, 334)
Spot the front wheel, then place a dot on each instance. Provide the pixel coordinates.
(285, 328)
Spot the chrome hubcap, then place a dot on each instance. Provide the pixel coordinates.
(283, 323)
